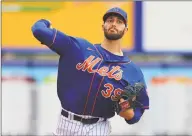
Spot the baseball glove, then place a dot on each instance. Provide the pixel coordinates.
(129, 94)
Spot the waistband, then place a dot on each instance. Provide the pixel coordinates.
(82, 118)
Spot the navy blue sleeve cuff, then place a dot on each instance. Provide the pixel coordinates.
(138, 112)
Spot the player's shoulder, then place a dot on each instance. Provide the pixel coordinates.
(134, 69)
(82, 42)
(133, 73)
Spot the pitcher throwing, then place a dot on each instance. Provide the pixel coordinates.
(95, 81)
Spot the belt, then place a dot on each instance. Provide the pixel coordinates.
(81, 119)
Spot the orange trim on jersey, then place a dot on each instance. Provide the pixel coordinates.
(54, 37)
(145, 107)
(92, 81)
(97, 94)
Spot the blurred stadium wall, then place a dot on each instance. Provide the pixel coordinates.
(29, 70)
(74, 18)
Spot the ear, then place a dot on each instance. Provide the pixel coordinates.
(126, 29)
(103, 27)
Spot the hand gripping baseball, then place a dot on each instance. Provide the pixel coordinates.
(129, 95)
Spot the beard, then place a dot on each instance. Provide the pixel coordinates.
(116, 36)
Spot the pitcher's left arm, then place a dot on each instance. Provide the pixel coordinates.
(133, 100)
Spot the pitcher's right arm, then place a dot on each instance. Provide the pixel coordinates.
(54, 39)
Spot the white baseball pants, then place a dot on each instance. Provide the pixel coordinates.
(70, 127)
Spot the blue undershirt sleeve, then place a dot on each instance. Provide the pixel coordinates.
(138, 112)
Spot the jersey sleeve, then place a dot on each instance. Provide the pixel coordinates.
(53, 38)
(143, 97)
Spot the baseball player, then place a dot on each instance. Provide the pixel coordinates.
(93, 77)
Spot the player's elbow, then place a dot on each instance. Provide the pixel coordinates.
(38, 34)
(35, 30)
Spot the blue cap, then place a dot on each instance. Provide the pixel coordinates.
(117, 11)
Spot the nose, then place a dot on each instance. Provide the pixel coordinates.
(114, 23)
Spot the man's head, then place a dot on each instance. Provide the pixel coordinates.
(115, 23)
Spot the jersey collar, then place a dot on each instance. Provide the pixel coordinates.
(110, 57)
